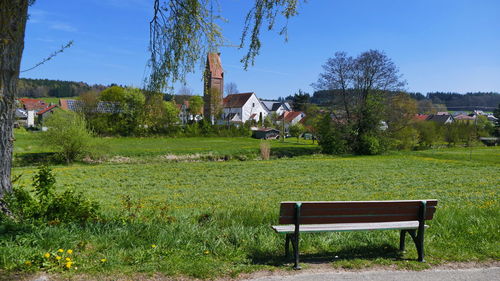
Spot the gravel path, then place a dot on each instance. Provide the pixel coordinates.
(476, 274)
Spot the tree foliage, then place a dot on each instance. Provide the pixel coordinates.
(363, 84)
(195, 104)
(68, 134)
(183, 31)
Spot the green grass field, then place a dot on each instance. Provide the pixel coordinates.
(29, 143)
(211, 219)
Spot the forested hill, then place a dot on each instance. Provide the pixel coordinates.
(38, 88)
(452, 101)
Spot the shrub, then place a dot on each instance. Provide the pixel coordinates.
(68, 133)
(332, 138)
(43, 204)
(405, 139)
(370, 145)
(429, 133)
(296, 130)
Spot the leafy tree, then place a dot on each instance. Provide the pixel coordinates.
(400, 112)
(68, 134)
(496, 113)
(90, 101)
(129, 102)
(195, 104)
(363, 83)
(213, 105)
(296, 130)
(170, 113)
(429, 133)
(300, 100)
(331, 136)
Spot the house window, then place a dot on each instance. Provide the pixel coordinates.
(253, 104)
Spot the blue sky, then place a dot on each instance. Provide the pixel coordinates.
(438, 45)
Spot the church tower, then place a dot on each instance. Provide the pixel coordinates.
(213, 87)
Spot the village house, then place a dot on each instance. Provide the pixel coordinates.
(240, 108)
(32, 111)
(276, 107)
(441, 119)
(291, 118)
(186, 115)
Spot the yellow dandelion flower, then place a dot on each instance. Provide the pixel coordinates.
(103, 260)
(153, 246)
(47, 255)
(58, 257)
(69, 251)
(68, 259)
(27, 262)
(206, 252)
(68, 265)
(60, 250)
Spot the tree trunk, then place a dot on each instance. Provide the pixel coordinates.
(13, 16)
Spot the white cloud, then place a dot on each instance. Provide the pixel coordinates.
(62, 26)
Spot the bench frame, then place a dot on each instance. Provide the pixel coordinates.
(417, 234)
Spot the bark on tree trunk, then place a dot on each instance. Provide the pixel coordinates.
(13, 16)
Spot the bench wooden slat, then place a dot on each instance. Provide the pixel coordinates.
(360, 204)
(354, 211)
(349, 219)
(347, 227)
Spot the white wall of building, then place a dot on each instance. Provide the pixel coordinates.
(253, 106)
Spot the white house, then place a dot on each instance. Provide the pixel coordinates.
(291, 118)
(276, 106)
(240, 108)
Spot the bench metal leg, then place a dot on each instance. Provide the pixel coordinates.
(418, 239)
(287, 246)
(295, 244)
(402, 240)
(420, 244)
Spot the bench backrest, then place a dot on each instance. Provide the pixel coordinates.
(322, 212)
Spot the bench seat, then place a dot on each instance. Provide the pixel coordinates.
(337, 227)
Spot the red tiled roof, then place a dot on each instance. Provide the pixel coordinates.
(236, 100)
(214, 64)
(420, 117)
(464, 117)
(290, 115)
(46, 109)
(33, 104)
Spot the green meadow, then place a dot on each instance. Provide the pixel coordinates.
(209, 219)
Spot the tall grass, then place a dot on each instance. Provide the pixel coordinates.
(210, 219)
(265, 150)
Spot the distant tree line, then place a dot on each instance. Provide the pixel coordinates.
(429, 103)
(39, 88)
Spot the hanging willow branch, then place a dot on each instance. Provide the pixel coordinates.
(182, 32)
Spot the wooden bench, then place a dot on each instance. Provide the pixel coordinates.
(408, 216)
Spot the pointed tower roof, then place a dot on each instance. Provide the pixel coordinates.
(214, 64)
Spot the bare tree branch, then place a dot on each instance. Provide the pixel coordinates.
(51, 56)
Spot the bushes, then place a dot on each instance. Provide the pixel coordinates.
(69, 135)
(44, 204)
